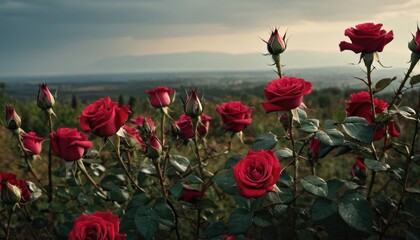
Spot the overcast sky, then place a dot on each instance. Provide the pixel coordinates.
(65, 36)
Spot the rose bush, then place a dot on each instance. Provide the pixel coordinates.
(69, 144)
(257, 173)
(99, 225)
(285, 93)
(235, 116)
(366, 38)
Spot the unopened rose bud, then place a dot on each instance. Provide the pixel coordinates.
(191, 195)
(154, 147)
(13, 120)
(359, 169)
(192, 106)
(45, 98)
(10, 194)
(276, 44)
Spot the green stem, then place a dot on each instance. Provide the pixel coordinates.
(83, 169)
(276, 59)
(200, 167)
(50, 184)
(125, 167)
(162, 128)
(9, 221)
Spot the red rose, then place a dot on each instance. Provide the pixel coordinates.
(45, 98)
(103, 117)
(366, 38)
(193, 106)
(153, 147)
(414, 44)
(23, 195)
(69, 144)
(285, 93)
(276, 44)
(359, 105)
(235, 116)
(133, 133)
(191, 195)
(159, 97)
(186, 127)
(314, 145)
(32, 143)
(257, 173)
(99, 225)
(140, 120)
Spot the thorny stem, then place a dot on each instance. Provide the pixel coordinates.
(200, 167)
(405, 179)
(276, 59)
(295, 159)
(373, 176)
(407, 75)
(161, 180)
(83, 169)
(9, 221)
(125, 167)
(50, 184)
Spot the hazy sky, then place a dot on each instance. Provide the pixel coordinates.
(65, 36)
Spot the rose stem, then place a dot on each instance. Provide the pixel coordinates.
(407, 75)
(200, 167)
(124, 167)
(50, 186)
(295, 160)
(31, 170)
(9, 221)
(276, 59)
(82, 167)
(405, 179)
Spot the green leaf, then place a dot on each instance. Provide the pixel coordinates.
(315, 185)
(180, 163)
(232, 161)
(355, 210)
(374, 165)
(323, 208)
(283, 153)
(412, 233)
(415, 79)
(147, 221)
(308, 127)
(285, 179)
(359, 129)
(331, 137)
(412, 206)
(119, 195)
(239, 221)
(262, 218)
(176, 189)
(226, 181)
(383, 83)
(265, 141)
(194, 179)
(166, 215)
(139, 199)
(215, 229)
(279, 210)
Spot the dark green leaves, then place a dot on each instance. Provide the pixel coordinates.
(355, 210)
(415, 79)
(359, 129)
(180, 163)
(374, 165)
(331, 137)
(265, 141)
(315, 185)
(226, 181)
(382, 84)
(239, 221)
(215, 229)
(147, 221)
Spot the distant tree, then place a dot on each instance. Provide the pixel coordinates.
(74, 101)
(132, 101)
(121, 101)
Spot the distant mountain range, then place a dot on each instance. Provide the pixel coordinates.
(214, 61)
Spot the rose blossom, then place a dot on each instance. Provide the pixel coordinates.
(140, 120)
(32, 143)
(133, 134)
(285, 93)
(69, 144)
(366, 38)
(9, 180)
(185, 126)
(190, 195)
(159, 97)
(257, 173)
(99, 225)
(45, 99)
(103, 117)
(359, 105)
(13, 120)
(235, 116)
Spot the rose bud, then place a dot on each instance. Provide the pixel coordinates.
(144, 122)
(159, 97)
(235, 116)
(185, 127)
(203, 125)
(359, 169)
(132, 136)
(45, 98)
(191, 195)
(359, 105)
(366, 38)
(414, 44)
(69, 144)
(276, 44)
(192, 106)
(99, 225)
(32, 143)
(103, 117)
(313, 147)
(154, 147)
(10, 194)
(13, 120)
(285, 93)
(257, 173)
